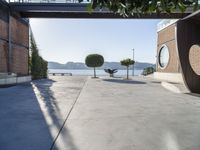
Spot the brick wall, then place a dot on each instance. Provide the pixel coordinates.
(3, 56)
(19, 43)
(167, 37)
(3, 39)
(3, 29)
(19, 60)
(20, 32)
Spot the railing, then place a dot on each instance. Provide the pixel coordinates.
(60, 74)
(46, 1)
(165, 23)
(52, 1)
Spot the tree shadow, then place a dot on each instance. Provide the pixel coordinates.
(23, 124)
(47, 96)
(124, 81)
(193, 94)
(156, 82)
(24, 113)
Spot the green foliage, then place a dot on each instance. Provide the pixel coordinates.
(127, 62)
(148, 70)
(132, 7)
(29, 64)
(94, 60)
(37, 64)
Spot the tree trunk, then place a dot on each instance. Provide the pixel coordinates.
(94, 72)
(127, 72)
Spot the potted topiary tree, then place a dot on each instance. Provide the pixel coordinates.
(94, 60)
(111, 71)
(127, 62)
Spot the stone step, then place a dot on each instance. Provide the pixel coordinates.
(6, 75)
(175, 87)
(13, 80)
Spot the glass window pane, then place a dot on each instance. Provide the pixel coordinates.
(163, 56)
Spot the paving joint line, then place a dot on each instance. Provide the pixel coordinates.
(52, 145)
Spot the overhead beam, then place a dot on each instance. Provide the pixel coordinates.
(78, 10)
(95, 15)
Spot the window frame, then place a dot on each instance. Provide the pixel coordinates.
(159, 56)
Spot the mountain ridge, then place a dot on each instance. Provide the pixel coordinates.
(80, 65)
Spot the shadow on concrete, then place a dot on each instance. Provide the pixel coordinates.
(193, 94)
(156, 82)
(23, 121)
(174, 83)
(124, 81)
(54, 112)
(116, 77)
(23, 124)
(46, 94)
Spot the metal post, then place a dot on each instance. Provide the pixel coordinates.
(133, 60)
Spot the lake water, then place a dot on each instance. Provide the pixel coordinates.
(91, 72)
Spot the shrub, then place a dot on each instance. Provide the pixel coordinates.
(37, 64)
(148, 70)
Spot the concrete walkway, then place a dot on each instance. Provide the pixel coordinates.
(31, 115)
(106, 114)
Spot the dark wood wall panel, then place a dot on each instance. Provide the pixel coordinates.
(188, 34)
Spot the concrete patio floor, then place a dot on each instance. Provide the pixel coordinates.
(79, 113)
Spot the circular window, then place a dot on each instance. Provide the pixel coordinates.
(194, 57)
(163, 56)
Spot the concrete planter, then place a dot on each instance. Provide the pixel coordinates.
(14, 80)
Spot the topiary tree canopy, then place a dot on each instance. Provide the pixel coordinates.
(132, 7)
(127, 62)
(94, 60)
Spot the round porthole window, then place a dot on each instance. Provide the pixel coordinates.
(163, 56)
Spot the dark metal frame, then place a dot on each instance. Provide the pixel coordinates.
(79, 10)
(187, 35)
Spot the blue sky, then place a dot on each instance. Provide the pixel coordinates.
(64, 40)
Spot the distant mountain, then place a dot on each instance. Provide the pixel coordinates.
(113, 65)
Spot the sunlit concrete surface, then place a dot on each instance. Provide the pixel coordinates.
(114, 114)
(80, 113)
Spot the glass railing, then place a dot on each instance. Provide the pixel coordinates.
(165, 23)
(51, 1)
(47, 1)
